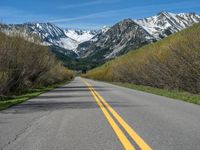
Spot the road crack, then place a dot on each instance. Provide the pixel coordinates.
(33, 122)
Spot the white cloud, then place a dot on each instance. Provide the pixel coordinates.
(128, 12)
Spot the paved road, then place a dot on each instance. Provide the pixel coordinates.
(101, 117)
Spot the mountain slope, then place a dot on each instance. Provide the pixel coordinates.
(96, 47)
(80, 35)
(52, 35)
(165, 23)
(81, 49)
(120, 38)
(131, 34)
(172, 63)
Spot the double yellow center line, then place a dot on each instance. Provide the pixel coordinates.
(107, 110)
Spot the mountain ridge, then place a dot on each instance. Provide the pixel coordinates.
(52, 34)
(108, 42)
(144, 31)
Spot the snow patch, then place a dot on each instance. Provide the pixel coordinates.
(79, 35)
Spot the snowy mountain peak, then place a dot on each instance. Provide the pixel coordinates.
(53, 35)
(111, 41)
(80, 35)
(104, 29)
(130, 34)
(166, 23)
(125, 22)
(44, 30)
(165, 13)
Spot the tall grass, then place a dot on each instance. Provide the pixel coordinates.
(25, 65)
(173, 63)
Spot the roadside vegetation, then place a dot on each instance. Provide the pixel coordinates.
(26, 66)
(181, 95)
(11, 100)
(172, 64)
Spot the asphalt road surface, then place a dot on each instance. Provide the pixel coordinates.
(92, 115)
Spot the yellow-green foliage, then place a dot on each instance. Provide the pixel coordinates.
(173, 63)
(24, 65)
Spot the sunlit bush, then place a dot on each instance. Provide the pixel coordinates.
(24, 65)
(173, 63)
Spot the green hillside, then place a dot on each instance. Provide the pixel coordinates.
(173, 63)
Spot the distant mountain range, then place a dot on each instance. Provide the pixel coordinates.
(108, 42)
(131, 34)
(52, 35)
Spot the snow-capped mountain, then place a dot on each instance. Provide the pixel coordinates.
(81, 49)
(131, 34)
(107, 42)
(165, 23)
(104, 29)
(118, 39)
(80, 35)
(50, 34)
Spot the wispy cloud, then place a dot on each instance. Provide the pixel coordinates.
(90, 3)
(96, 19)
(130, 12)
(90, 16)
(85, 26)
(8, 11)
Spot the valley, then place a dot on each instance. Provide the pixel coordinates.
(86, 47)
(100, 78)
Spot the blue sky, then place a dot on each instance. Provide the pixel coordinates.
(88, 14)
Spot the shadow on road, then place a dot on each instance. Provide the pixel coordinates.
(69, 97)
(78, 89)
(86, 87)
(60, 96)
(35, 106)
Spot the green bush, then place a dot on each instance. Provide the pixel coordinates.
(25, 64)
(173, 63)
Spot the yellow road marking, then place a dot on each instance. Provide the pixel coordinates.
(126, 143)
(141, 143)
